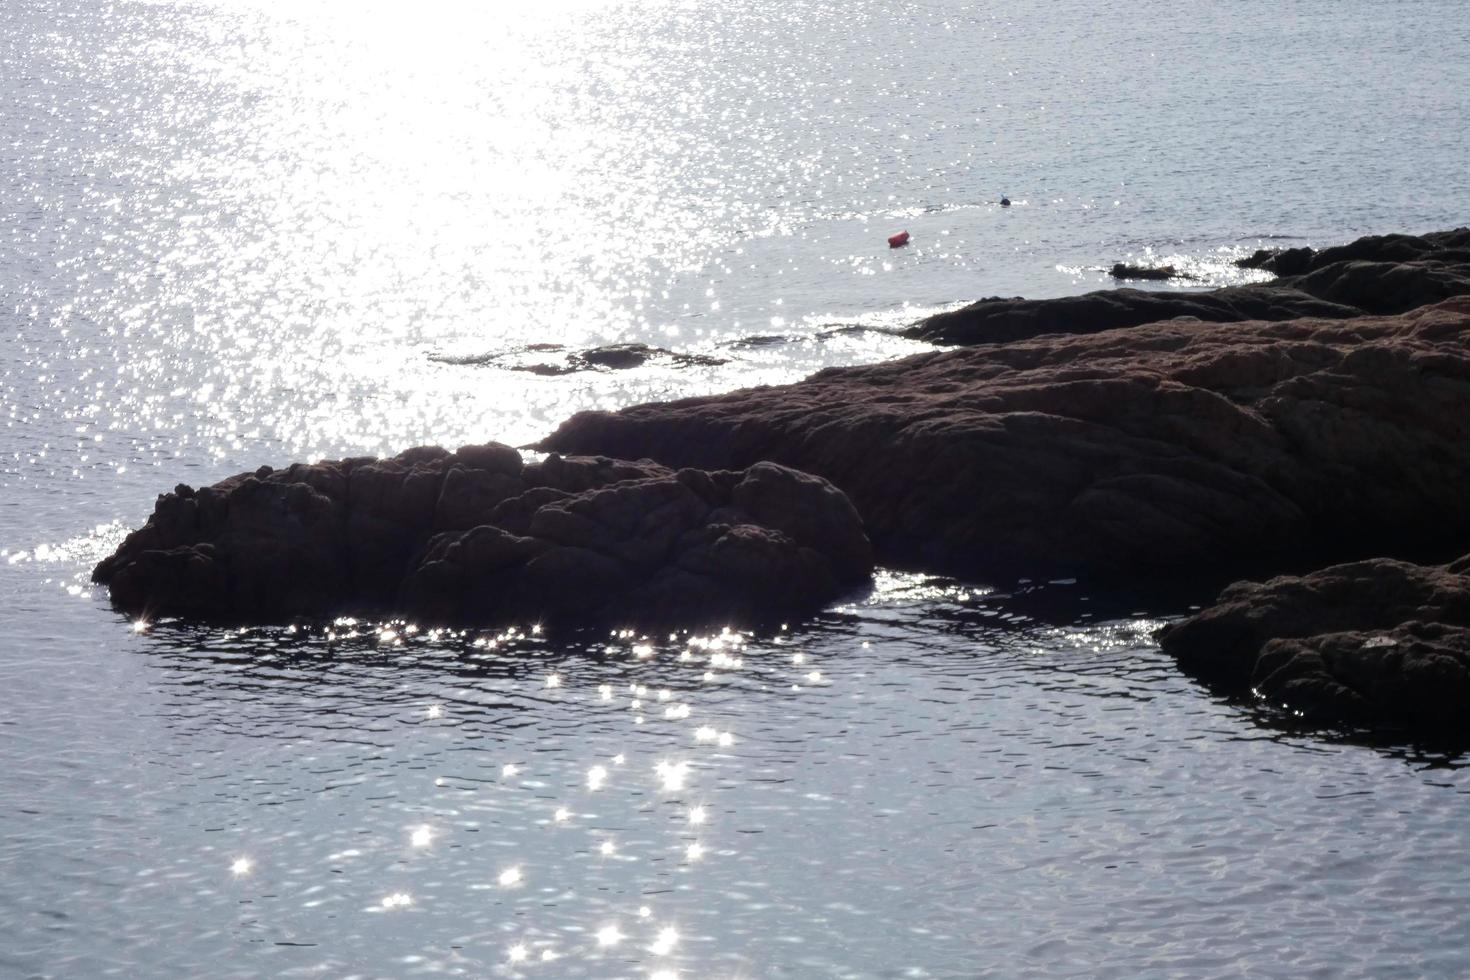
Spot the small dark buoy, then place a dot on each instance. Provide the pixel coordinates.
(902, 238)
(1005, 202)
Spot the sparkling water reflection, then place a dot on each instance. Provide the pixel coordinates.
(242, 231)
(969, 790)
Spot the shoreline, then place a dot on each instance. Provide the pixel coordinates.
(1062, 438)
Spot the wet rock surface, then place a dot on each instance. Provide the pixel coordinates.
(1163, 448)
(1379, 642)
(1378, 274)
(478, 537)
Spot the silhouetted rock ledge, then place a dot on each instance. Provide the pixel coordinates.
(1378, 642)
(1379, 274)
(1166, 448)
(1447, 247)
(476, 537)
(997, 320)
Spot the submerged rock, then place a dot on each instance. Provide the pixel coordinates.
(476, 537)
(1166, 448)
(1372, 642)
(611, 357)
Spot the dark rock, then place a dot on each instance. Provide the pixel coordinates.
(1435, 246)
(1378, 274)
(1123, 270)
(1371, 642)
(806, 508)
(1258, 259)
(612, 357)
(546, 370)
(997, 320)
(476, 537)
(1376, 248)
(1384, 287)
(619, 357)
(1290, 262)
(469, 495)
(1281, 261)
(1163, 448)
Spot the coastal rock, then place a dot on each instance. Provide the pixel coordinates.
(1451, 245)
(476, 537)
(1371, 642)
(1379, 274)
(1166, 448)
(619, 357)
(610, 357)
(997, 320)
(1281, 261)
(1122, 270)
(1385, 287)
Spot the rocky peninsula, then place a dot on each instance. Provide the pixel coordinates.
(1318, 418)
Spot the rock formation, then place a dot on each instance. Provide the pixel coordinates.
(1379, 274)
(1449, 247)
(997, 320)
(1174, 446)
(1123, 270)
(611, 357)
(1375, 642)
(476, 537)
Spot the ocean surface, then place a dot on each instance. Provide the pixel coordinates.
(236, 232)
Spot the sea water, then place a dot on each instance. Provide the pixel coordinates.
(240, 232)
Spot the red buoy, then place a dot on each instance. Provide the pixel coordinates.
(902, 238)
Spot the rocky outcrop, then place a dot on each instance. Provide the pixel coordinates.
(1451, 247)
(1372, 642)
(611, 357)
(997, 320)
(476, 537)
(1123, 270)
(1379, 274)
(1385, 287)
(1169, 447)
(1281, 261)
